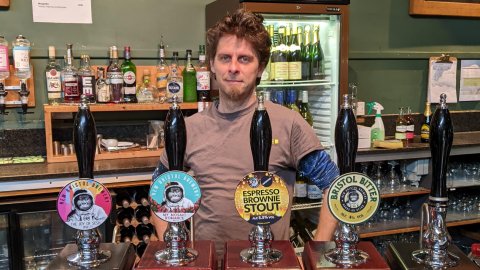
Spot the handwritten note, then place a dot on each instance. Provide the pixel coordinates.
(442, 78)
(61, 11)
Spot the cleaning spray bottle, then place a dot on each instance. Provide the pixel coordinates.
(378, 129)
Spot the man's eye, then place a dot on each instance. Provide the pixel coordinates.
(224, 58)
(244, 59)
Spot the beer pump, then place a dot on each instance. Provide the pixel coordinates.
(436, 251)
(175, 197)
(85, 204)
(352, 199)
(260, 250)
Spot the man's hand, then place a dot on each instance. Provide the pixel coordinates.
(326, 223)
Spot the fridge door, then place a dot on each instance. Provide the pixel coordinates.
(4, 247)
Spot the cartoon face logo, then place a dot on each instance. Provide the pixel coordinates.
(174, 194)
(83, 202)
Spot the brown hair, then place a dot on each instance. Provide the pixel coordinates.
(245, 25)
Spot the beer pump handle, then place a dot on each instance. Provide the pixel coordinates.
(441, 138)
(346, 137)
(175, 136)
(85, 139)
(260, 136)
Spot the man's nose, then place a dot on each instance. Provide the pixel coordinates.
(233, 67)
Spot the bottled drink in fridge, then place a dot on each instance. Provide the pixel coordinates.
(294, 57)
(280, 60)
(291, 100)
(175, 80)
(317, 58)
(306, 56)
(4, 62)
(87, 78)
(129, 71)
(300, 188)
(189, 80)
(69, 76)
(115, 76)
(425, 129)
(305, 109)
(52, 77)
(21, 57)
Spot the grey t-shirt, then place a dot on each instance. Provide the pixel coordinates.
(218, 153)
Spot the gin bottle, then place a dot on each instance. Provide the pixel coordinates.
(21, 57)
(87, 78)
(4, 64)
(162, 72)
(69, 75)
(175, 80)
(52, 76)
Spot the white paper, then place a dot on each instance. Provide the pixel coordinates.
(469, 80)
(442, 78)
(62, 11)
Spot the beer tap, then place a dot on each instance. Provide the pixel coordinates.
(3, 95)
(436, 239)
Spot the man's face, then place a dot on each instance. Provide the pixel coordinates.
(84, 202)
(236, 67)
(175, 194)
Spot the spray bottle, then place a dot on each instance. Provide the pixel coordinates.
(378, 129)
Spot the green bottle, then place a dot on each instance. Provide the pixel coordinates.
(317, 71)
(189, 80)
(304, 109)
(129, 71)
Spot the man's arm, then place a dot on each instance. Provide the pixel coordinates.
(320, 169)
(160, 225)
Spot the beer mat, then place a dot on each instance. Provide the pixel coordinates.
(21, 160)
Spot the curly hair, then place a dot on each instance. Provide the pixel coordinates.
(244, 25)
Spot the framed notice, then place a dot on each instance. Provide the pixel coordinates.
(458, 8)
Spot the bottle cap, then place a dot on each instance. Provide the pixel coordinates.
(51, 51)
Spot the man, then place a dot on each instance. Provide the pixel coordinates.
(218, 141)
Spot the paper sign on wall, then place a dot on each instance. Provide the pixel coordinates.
(442, 78)
(469, 80)
(61, 11)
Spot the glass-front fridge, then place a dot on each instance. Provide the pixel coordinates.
(309, 55)
(4, 249)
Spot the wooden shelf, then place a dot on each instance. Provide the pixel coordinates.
(410, 192)
(50, 110)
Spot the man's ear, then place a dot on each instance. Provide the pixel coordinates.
(212, 68)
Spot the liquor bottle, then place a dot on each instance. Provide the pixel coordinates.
(300, 188)
(123, 198)
(260, 137)
(52, 76)
(142, 214)
(144, 232)
(410, 134)
(162, 71)
(21, 57)
(115, 76)
(87, 79)
(273, 53)
(425, 130)
(129, 72)
(146, 92)
(84, 138)
(306, 56)
(102, 88)
(291, 99)
(294, 57)
(70, 79)
(189, 80)
(401, 126)
(126, 233)
(4, 62)
(346, 137)
(317, 57)
(203, 81)
(175, 80)
(281, 63)
(141, 197)
(305, 109)
(125, 216)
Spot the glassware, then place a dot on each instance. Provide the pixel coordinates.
(408, 210)
(378, 176)
(404, 181)
(393, 179)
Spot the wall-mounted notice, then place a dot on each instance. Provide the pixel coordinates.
(442, 78)
(469, 80)
(61, 11)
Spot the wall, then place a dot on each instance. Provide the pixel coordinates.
(389, 51)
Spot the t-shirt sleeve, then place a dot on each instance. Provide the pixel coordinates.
(303, 139)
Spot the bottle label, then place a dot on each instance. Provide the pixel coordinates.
(409, 135)
(313, 192)
(425, 132)
(4, 64)
(115, 77)
(103, 95)
(281, 71)
(203, 80)
(70, 86)
(162, 79)
(411, 128)
(87, 85)
(294, 70)
(129, 77)
(54, 86)
(401, 129)
(21, 58)
(272, 71)
(129, 90)
(174, 87)
(301, 190)
(400, 135)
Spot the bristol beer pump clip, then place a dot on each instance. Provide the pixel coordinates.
(175, 195)
(85, 204)
(261, 197)
(353, 197)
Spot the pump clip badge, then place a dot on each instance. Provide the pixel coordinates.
(175, 196)
(353, 198)
(84, 204)
(261, 198)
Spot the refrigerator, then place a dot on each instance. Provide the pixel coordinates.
(330, 19)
